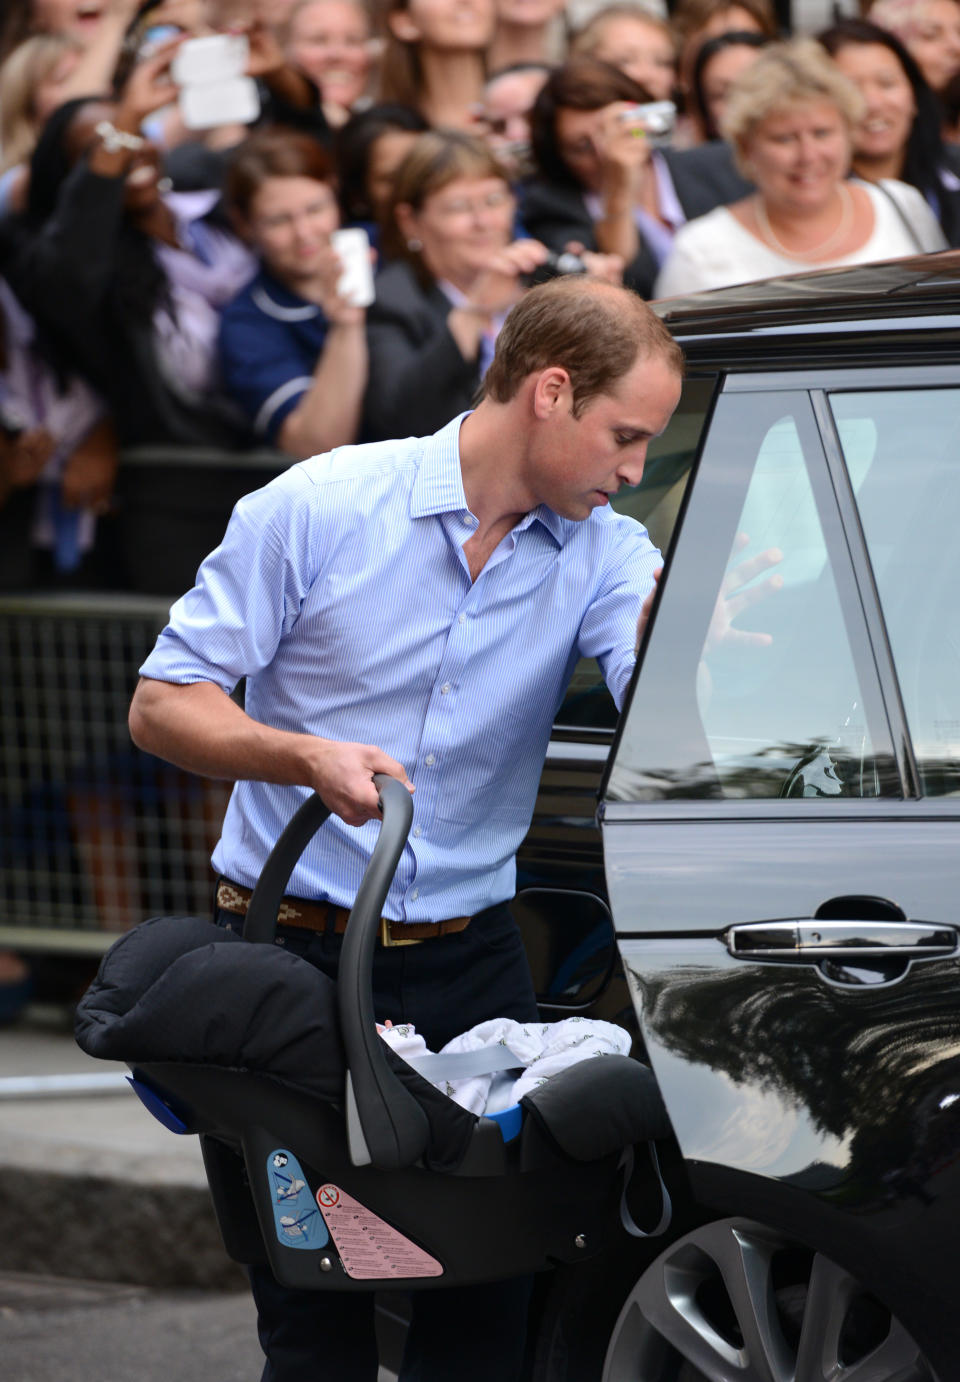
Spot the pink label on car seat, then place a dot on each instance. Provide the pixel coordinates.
(369, 1248)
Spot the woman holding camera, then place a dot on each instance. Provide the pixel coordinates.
(457, 273)
(792, 117)
(606, 176)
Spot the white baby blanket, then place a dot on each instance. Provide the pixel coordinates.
(496, 1063)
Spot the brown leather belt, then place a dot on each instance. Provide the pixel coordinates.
(324, 916)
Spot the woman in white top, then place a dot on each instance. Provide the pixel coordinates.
(791, 118)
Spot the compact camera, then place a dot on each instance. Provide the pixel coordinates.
(556, 266)
(657, 120)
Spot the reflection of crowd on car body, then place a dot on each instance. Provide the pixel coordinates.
(174, 279)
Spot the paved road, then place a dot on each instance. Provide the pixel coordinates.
(54, 1329)
(59, 1330)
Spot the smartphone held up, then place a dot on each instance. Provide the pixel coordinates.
(356, 281)
(214, 87)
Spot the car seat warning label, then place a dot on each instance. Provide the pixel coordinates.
(368, 1247)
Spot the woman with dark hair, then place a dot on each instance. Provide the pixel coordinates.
(718, 64)
(124, 281)
(369, 149)
(604, 183)
(434, 57)
(899, 135)
(293, 351)
(457, 272)
(697, 21)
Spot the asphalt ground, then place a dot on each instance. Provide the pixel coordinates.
(57, 1329)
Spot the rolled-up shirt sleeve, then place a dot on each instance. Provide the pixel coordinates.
(608, 630)
(248, 593)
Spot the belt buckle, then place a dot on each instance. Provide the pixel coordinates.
(388, 941)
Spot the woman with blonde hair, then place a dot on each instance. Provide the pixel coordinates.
(457, 272)
(791, 118)
(634, 40)
(32, 84)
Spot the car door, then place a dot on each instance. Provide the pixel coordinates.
(561, 903)
(780, 824)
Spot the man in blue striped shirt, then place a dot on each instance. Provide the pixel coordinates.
(417, 608)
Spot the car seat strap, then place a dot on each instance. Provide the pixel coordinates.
(463, 1065)
(626, 1218)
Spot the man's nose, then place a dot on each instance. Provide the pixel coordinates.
(630, 472)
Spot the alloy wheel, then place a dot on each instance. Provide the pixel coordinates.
(734, 1302)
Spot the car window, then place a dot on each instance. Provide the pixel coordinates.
(901, 451)
(655, 503)
(753, 677)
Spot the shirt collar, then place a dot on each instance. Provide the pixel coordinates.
(438, 487)
(670, 209)
(280, 302)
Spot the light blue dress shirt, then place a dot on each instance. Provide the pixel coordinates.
(342, 593)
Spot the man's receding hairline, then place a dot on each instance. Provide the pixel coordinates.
(645, 351)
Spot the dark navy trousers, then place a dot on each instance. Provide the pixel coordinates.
(472, 1333)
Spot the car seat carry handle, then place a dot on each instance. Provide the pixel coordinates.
(385, 1124)
(260, 923)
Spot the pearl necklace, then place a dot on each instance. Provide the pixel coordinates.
(836, 235)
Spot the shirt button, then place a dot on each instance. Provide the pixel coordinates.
(429, 760)
(444, 688)
(417, 831)
(415, 894)
(462, 619)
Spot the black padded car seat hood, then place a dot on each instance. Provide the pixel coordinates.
(181, 989)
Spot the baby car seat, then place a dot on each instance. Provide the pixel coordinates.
(328, 1157)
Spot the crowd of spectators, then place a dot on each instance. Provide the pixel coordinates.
(169, 282)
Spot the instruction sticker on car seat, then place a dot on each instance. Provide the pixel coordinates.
(298, 1222)
(369, 1248)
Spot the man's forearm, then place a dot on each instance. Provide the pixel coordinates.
(198, 727)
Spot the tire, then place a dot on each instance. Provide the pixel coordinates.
(729, 1301)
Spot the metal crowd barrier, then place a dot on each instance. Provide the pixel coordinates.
(94, 834)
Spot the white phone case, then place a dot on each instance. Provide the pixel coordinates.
(356, 281)
(214, 89)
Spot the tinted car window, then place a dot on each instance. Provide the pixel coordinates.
(901, 452)
(655, 503)
(752, 684)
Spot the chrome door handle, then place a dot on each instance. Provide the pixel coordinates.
(806, 941)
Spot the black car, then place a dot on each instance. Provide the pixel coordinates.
(779, 809)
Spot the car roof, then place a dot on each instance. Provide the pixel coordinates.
(864, 314)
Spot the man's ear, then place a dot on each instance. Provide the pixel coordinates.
(403, 27)
(552, 393)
